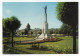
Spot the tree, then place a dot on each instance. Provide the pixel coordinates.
(51, 31)
(31, 33)
(56, 31)
(6, 32)
(67, 12)
(39, 32)
(28, 28)
(11, 24)
(66, 29)
(26, 32)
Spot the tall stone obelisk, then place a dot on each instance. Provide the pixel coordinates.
(45, 33)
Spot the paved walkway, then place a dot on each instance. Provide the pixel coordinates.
(29, 41)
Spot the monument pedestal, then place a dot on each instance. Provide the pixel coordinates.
(42, 36)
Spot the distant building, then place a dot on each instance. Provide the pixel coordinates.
(20, 32)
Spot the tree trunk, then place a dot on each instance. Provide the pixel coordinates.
(12, 39)
(74, 40)
(68, 34)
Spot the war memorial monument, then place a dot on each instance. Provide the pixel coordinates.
(45, 33)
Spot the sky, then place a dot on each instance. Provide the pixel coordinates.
(32, 13)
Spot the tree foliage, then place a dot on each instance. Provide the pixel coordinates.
(11, 23)
(67, 12)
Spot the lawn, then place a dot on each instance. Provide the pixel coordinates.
(63, 46)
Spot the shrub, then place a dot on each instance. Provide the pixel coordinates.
(43, 47)
(67, 50)
(35, 47)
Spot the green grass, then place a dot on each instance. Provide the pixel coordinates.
(33, 51)
(18, 38)
(66, 42)
(22, 38)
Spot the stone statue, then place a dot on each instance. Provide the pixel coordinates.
(45, 8)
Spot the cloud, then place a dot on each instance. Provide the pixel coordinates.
(8, 11)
